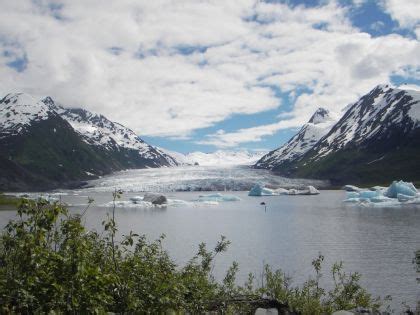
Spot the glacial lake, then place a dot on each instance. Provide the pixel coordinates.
(377, 242)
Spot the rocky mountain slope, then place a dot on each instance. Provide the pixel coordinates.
(310, 133)
(377, 140)
(44, 145)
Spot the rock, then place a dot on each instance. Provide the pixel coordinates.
(155, 199)
(343, 313)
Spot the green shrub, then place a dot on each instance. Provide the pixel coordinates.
(49, 262)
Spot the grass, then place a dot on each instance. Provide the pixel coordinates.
(9, 200)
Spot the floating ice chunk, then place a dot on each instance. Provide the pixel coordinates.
(218, 197)
(310, 190)
(259, 190)
(405, 198)
(400, 187)
(381, 198)
(368, 194)
(415, 200)
(128, 204)
(136, 199)
(352, 195)
(281, 191)
(397, 193)
(210, 203)
(352, 200)
(380, 188)
(351, 188)
(178, 202)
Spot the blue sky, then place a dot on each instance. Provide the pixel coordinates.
(208, 75)
(369, 17)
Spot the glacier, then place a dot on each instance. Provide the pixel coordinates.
(195, 178)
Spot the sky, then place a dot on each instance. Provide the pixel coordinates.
(204, 75)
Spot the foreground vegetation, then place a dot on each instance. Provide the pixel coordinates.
(50, 262)
(9, 201)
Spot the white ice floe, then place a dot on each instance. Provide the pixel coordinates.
(218, 197)
(351, 188)
(139, 202)
(397, 194)
(260, 190)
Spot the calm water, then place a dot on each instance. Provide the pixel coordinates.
(377, 242)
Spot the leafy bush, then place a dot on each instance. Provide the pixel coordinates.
(50, 262)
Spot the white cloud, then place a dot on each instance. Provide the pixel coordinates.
(123, 59)
(377, 26)
(254, 134)
(406, 12)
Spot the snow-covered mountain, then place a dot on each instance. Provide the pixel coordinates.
(310, 133)
(174, 158)
(382, 112)
(376, 140)
(222, 157)
(41, 139)
(18, 111)
(97, 130)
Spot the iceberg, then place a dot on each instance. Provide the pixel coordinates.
(351, 188)
(217, 198)
(378, 188)
(136, 199)
(368, 194)
(405, 198)
(128, 204)
(400, 187)
(281, 191)
(352, 195)
(399, 192)
(311, 190)
(381, 198)
(259, 190)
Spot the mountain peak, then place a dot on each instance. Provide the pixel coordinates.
(49, 102)
(321, 115)
(18, 98)
(381, 88)
(19, 110)
(310, 133)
